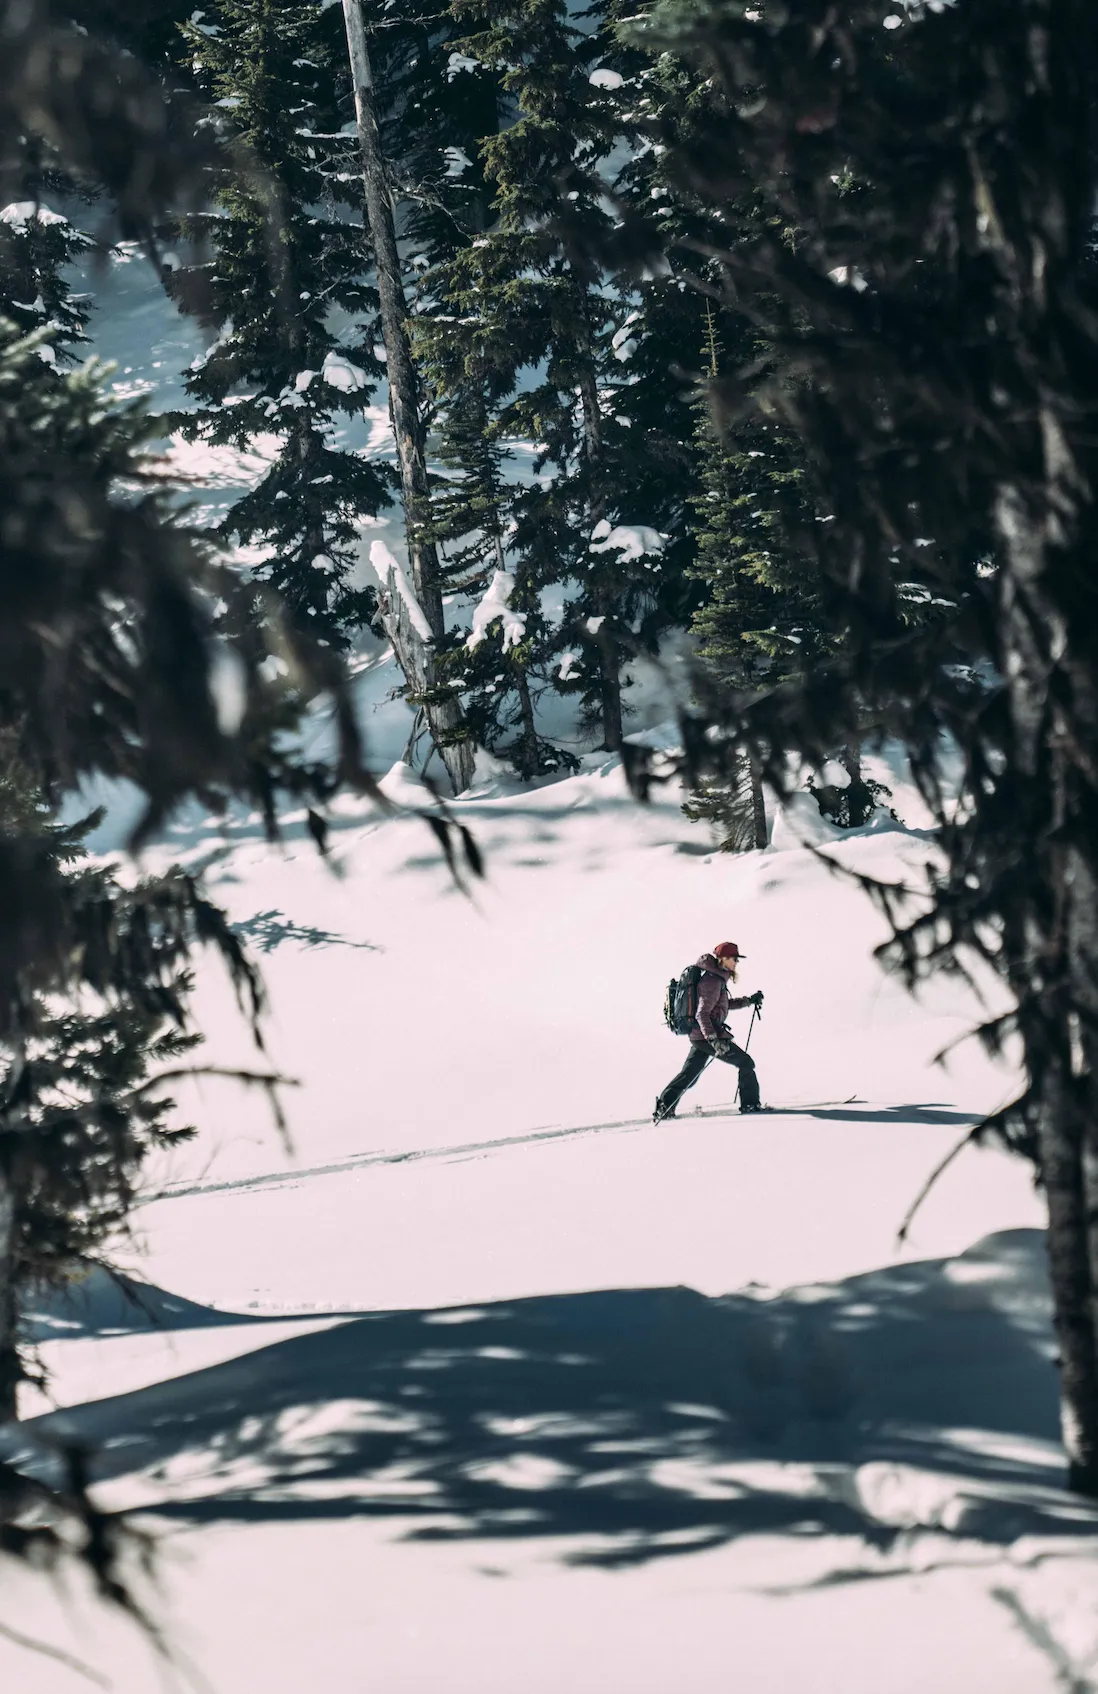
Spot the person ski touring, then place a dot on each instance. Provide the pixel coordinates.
(709, 1039)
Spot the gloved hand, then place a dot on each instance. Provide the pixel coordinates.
(757, 997)
(721, 1045)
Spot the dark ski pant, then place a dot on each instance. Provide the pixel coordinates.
(699, 1054)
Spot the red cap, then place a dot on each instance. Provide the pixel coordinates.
(727, 950)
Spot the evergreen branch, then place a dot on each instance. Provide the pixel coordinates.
(269, 1081)
(261, 1079)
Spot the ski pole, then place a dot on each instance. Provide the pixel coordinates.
(746, 1048)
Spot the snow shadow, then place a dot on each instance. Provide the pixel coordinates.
(268, 930)
(885, 1115)
(634, 1424)
(105, 1303)
(503, 824)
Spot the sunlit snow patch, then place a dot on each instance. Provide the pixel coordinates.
(339, 372)
(493, 605)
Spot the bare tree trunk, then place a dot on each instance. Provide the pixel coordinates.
(1071, 1270)
(610, 688)
(758, 807)
(9, 1354)
(313, 588)
(1052, 945)
(609, 658)
(530, 757)
(415, 655)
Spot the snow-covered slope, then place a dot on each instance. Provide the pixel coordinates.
(520, 1393)
(493, 1386)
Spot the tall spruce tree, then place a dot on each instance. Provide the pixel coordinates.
(293, 314)
(761, 623)
(546, 313)
(734, 490)
(657, 347)
(947, 417)
(442, 104)
(501, 663)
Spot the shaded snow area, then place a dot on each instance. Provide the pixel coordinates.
(490, 1386)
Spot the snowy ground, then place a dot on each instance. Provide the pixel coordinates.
(467, 1396)
(491, 1386)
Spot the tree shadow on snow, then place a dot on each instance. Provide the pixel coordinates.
(268, 930)
(885, 1115)
(634, 1424)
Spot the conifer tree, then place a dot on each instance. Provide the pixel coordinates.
(114, 624)
(81, 1031)
(441, 105)
(546, 312)
(762, 619)
(77, 1116)
(435, 105)
(36, 243)
(761, 622)
(283, 363)
(945, 322)
(498, 662)
(657, 347)
(735, 491)
(501, 664)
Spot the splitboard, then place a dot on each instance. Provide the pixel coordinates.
(469, 1149)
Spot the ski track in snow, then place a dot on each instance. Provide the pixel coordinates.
(292, 1176)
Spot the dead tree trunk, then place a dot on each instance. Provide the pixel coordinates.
(414, 652)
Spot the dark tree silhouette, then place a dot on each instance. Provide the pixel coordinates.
(937, 302)
(115, 625)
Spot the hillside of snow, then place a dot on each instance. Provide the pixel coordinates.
(487, 1384)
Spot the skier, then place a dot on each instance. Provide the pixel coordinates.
(709, 1039)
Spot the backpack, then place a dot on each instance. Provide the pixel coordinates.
(680, 1003)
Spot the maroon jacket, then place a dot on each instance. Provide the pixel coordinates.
(714, 1000)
